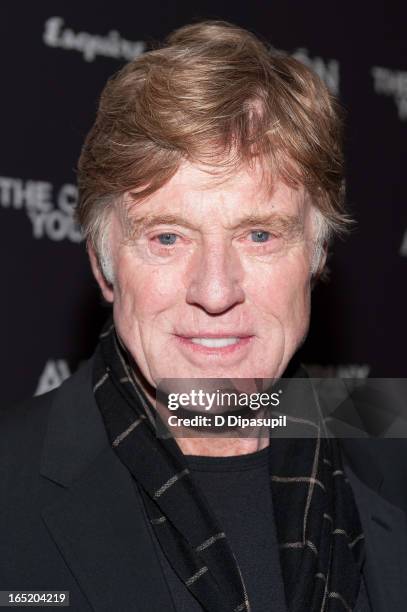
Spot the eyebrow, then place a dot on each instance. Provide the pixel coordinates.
(139, 224)
(291, 225)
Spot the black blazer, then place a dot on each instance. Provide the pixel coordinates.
(71, 518)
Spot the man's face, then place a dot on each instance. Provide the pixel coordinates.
(215, 281)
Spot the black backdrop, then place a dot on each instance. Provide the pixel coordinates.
(55, 60)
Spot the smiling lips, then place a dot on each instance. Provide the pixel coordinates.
(215, 343)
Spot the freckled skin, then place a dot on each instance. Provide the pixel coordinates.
(213, 277)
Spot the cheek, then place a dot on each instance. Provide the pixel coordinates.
(142, 292)
(281, 290)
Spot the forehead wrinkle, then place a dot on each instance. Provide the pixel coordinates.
(135, 221)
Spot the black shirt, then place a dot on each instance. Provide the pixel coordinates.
(239, 493)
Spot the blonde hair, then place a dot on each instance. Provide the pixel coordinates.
(214, 94)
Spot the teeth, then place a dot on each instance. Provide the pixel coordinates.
(215, 342)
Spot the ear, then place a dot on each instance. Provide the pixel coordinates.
(105, 287)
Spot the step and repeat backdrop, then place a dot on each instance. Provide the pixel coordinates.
(56, 57)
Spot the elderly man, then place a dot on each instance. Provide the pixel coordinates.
(210, 186)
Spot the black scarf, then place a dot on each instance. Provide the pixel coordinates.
(318, 526)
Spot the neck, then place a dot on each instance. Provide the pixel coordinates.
(221, 447)
(216, 446)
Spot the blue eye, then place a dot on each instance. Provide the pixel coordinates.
(167, 239)
(260, 236)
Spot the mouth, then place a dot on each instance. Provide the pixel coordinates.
(215, 344)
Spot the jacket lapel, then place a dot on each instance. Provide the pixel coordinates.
(97, 519)
(384, 526)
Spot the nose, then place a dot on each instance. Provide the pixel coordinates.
(215, 278)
